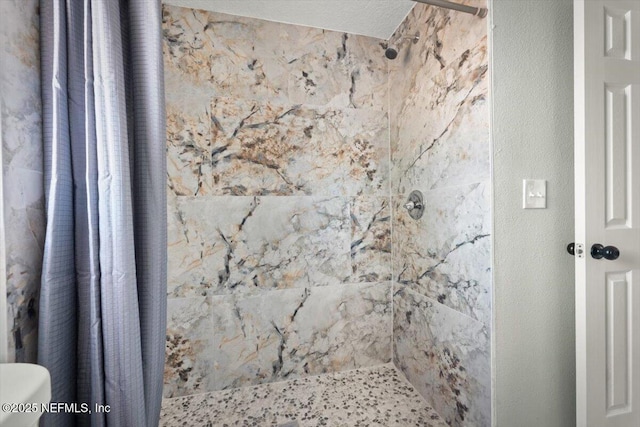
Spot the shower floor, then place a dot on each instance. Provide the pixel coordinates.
(377, 396)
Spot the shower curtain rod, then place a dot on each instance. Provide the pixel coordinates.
(480, 12)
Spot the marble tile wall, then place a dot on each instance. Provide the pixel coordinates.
(439, 127)
(279, 208)
(445, 356)
(228, 341)
(22, 169)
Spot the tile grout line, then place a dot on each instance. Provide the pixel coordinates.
(391, 213)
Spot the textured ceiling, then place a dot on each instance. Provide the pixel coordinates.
(375, 18)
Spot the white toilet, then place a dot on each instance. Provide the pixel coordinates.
(23, 384)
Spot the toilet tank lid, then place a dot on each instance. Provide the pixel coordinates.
(24, 383)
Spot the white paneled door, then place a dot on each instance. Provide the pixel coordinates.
(607, 166)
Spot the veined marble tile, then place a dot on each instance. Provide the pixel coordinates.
(370, 239)
(446, 254)
(443, 128)
(266, 148)
(189, 168)
(214, 52)
(20, 84)
(366, 134)
(189, 351)
(440, 145)
(24, 246)
(445, 35)
(231, 244)
(341, 70)
(298, 332)
(23, 195)
(439, 115)
(245, 147)
(256, 59)
(446, 356)
(258, 109)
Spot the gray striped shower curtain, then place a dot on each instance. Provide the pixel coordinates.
(103, 297)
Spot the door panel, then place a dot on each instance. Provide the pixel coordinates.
(607, 158)
(617, 31)
(618, 146)
(619, 357)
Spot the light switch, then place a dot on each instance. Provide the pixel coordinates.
(534, 194)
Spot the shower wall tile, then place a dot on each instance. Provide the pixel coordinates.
(446, 254)
(189, 348)
(265, 148)
(444, 355)
(240, 245)
(366, 135)
(447, 144)
(439, 109)
(189, 170)
(22, 169)
(439, 127)
(228, 341)
(248, 147)
(370, 239)
(439, 135)
(252, 59)
(297, 332)
(278, 191)
(445, 37)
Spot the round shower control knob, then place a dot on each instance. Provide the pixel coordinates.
(410, 206)
(415, 204)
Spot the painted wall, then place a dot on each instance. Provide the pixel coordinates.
(533, 275)
(440, 145)
(279, 218)
(22, 168)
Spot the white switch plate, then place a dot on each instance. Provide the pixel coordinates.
(534, 194)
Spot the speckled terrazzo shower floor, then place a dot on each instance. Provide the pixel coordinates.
(365, 397)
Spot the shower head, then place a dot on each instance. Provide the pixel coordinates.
(391, 51)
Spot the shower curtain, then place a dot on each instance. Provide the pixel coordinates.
(103, 297)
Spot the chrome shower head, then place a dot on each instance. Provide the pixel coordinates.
(391, 52)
